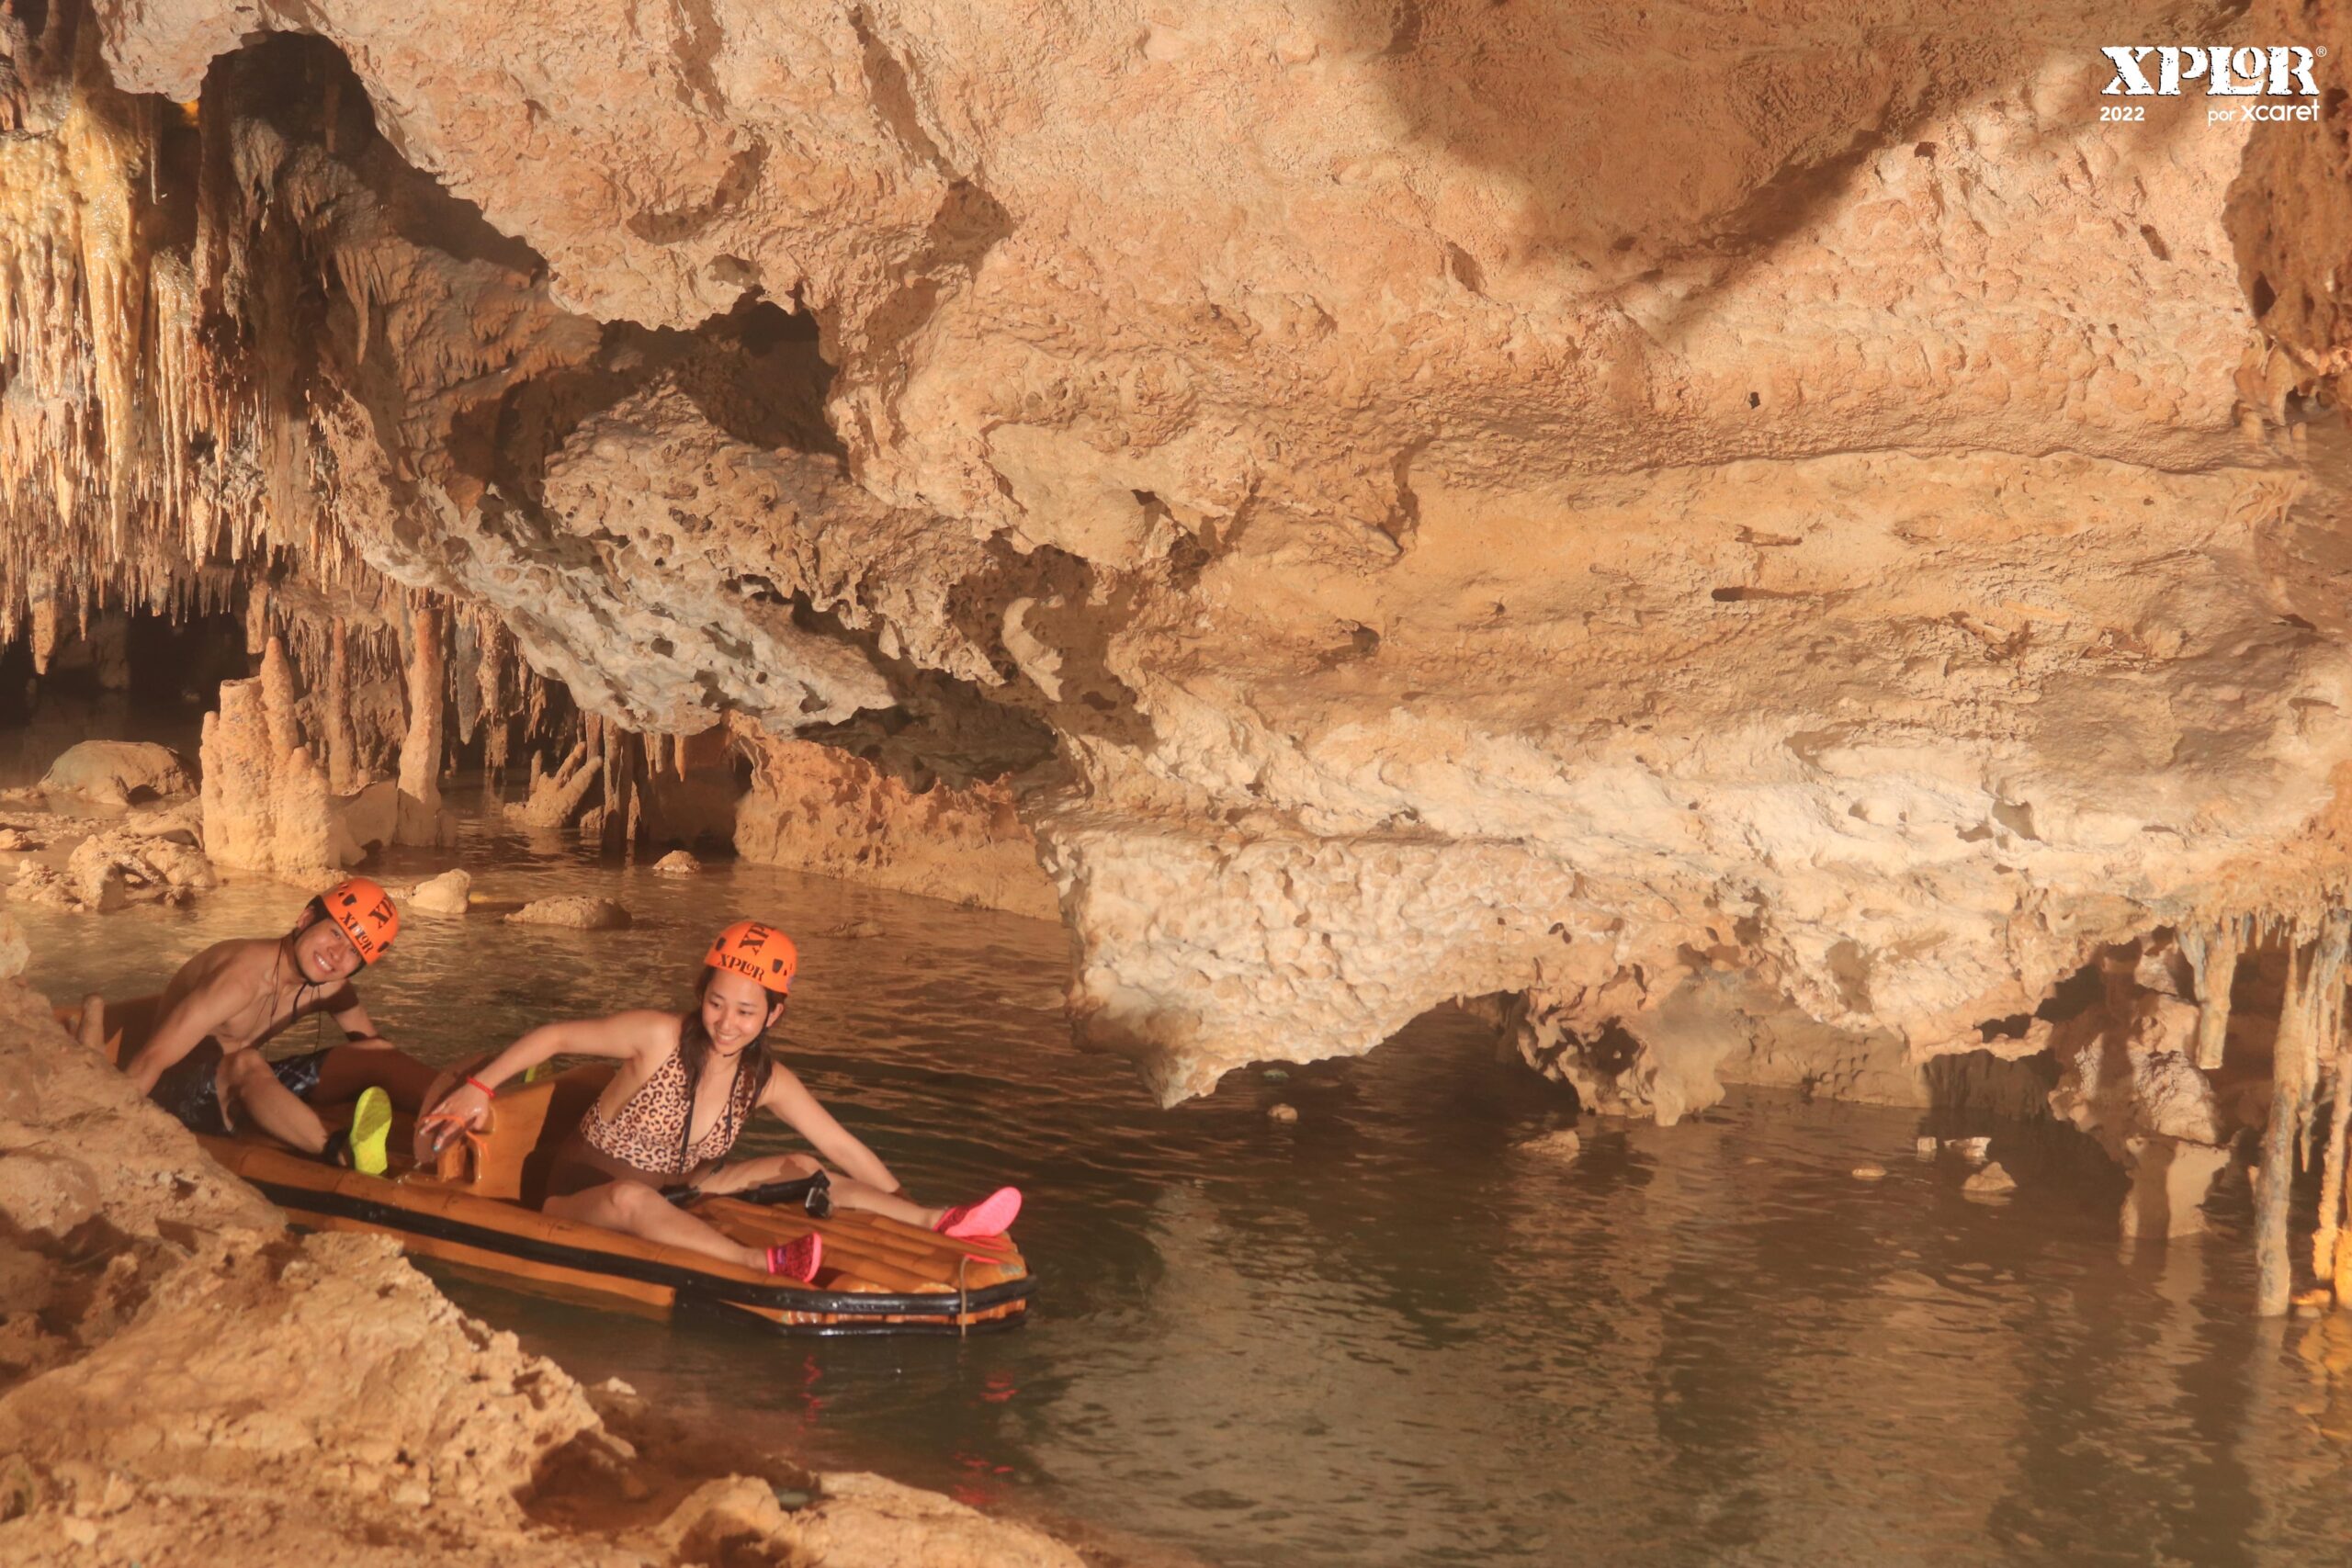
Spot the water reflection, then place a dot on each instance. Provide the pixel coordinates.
(1386, 1334)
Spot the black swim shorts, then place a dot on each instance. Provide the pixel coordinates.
(190, 1088)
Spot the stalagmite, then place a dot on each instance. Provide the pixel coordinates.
(305, 846)
(278, 701)
(556, 799)
(465, 675)
(239, 784)
(420, 777)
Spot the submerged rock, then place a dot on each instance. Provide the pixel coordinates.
(1564, 1144)
(447, 893)
(38, 883)
(577, 912)
(118, 773)
(677, 863)
(109, 870)
(1989, 1182)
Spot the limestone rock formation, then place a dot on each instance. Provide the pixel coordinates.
(1395, 535)
(109, 870)
(1990, 1183)
(557, 800)
(677, 863)
(14, 954)
(573, 912)
(267, 806)
(118, 773)
(2129, 1076)
(816, 809)
(420, 819)
(266, 801)
(447, 893)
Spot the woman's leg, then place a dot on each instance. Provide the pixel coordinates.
(638, 1210)
(847, 1193)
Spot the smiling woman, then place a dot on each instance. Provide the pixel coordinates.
(689, 1081)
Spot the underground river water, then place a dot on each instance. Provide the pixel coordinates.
(1387, 1333)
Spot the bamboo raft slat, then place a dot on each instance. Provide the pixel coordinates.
(476, 1210)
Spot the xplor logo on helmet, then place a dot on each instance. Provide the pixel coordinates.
(2225, 70)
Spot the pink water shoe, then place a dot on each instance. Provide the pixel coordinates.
(797, 1258)
(992, 1216)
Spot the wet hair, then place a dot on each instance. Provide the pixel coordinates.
(694, 1040)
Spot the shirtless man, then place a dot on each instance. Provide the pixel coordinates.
(204, 1064)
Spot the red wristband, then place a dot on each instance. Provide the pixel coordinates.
(487, 1092)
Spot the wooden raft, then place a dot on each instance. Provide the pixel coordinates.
(478, 1209)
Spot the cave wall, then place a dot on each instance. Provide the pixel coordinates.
(1413, 501)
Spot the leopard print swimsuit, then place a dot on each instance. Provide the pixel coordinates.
(645, 1140)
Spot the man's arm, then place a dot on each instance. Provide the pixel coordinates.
(193, 1017)
(352, 1019)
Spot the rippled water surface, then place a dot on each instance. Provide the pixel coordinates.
(1386, 1334)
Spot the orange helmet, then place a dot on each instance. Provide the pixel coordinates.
(365, 913)
(762, 952)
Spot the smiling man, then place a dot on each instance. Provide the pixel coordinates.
(204, 1064)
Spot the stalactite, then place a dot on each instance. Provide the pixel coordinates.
(502, 697)
(44, 632)
(345, 773)
(465, 676)
(160, 364)
(257, 617)
(2214, 957)
(535, 706)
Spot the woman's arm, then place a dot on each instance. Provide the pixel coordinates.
(623, 1035)
(789, 1099)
